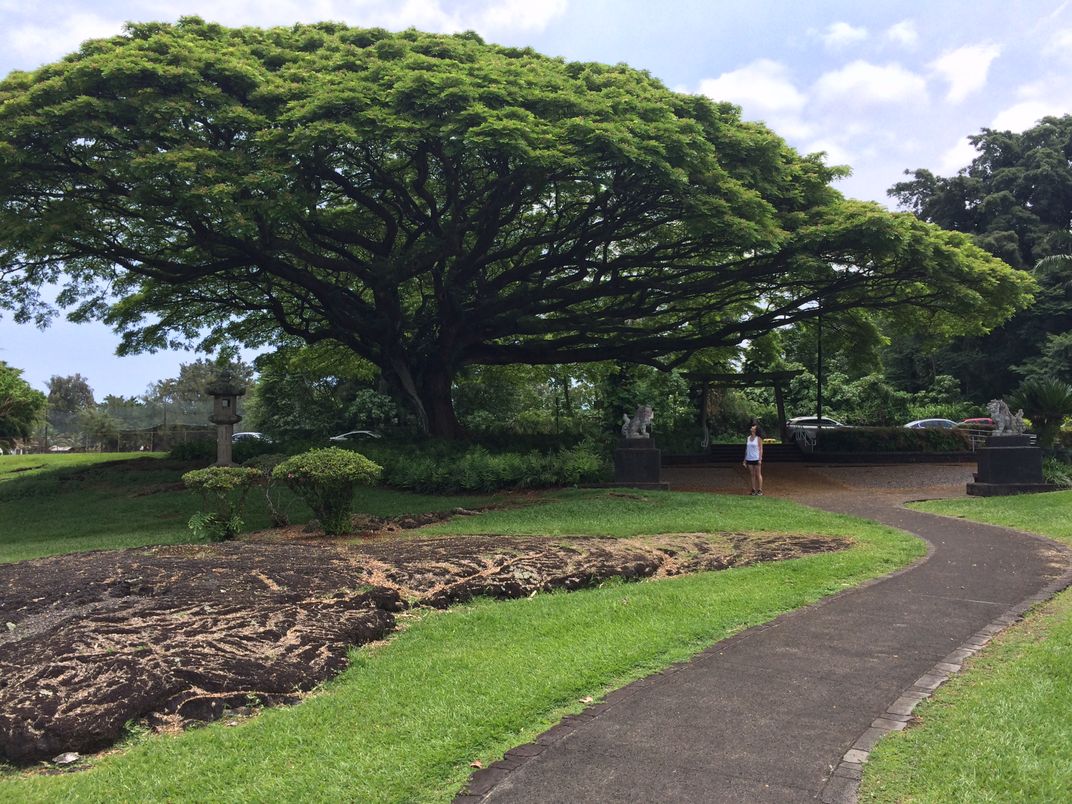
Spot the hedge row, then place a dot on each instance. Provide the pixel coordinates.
(893, 439)
(477, 469)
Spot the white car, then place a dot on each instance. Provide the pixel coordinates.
(248, 436)
(355, 435)
(811, 423)
(938, 424)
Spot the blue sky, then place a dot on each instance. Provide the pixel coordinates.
(880, 87)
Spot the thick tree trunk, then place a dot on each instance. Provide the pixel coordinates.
(438, 403)
(429, 391)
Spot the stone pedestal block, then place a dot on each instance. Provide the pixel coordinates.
(1008, 464)
(637, 463)
(1009, 459)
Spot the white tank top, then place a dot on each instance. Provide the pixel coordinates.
(751, 449)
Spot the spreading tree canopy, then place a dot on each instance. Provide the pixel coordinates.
(1015, 199)
(434, 201)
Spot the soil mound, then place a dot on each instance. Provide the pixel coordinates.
(92, 641)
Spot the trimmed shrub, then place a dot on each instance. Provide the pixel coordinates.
(326, 480)
(223, 491)
(892, 439)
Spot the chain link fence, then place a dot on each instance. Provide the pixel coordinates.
(151, 426)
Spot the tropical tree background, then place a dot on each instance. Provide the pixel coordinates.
(1015, 200)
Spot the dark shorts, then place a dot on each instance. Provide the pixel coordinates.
(752, 463)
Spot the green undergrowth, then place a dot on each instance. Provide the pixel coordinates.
(1002, 730)
(405, 721)
(51, 504)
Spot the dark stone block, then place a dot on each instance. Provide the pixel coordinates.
(637, 460)
(1009, 440)
(1009, 464)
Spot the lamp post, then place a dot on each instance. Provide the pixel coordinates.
(225, 390)
(819, 376)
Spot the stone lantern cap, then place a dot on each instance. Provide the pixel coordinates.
(226, 384)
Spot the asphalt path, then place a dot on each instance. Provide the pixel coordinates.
(787, 711)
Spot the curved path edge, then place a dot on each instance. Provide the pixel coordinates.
(842, 781)
(481, 782)
(484, 780)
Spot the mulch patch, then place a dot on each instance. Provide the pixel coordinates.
(169, 635)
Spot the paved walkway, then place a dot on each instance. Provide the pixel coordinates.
(770, 714)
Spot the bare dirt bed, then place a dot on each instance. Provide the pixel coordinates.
(92, 641)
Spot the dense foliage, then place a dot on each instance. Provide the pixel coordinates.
(1047, 402)
(21, 407)
(316, 391)
(433, 469)
(326, 480)
(434, 202)
(1015, 199)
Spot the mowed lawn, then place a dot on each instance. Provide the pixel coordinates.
(51, 504)
(1002, 730)
(405, 721)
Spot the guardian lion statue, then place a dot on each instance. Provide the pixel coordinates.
(1005, 421)
(639, 426)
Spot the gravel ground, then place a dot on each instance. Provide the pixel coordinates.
(803, 481)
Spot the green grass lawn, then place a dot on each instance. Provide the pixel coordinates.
(51, 504)
(410, 714)
(1002, 730)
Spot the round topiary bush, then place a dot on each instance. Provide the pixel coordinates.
(326, 480)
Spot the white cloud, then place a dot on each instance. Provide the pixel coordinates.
(957, 157)
(524, 15)
(761, 88)
(1024, 115)
(840, 34)
(865, 83)
(484, 16)
(903, 33)
(43, 43)
(1060, 45)
(965, 69)
(836, 153)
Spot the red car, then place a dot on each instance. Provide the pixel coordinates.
(985, 423)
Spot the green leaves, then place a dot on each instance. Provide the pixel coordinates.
(431, 202)
(21, 407)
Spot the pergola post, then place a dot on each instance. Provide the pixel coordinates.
(771, 379)
(779, 402)
(703, 415)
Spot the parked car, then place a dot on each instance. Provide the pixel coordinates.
(355, 435)
(811, 423)
(238, 438)
(938, 424)
(984, 423)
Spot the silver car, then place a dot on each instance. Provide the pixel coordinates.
(937, 424)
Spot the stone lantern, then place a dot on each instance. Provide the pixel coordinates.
(225, 390)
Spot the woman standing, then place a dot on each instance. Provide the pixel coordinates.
(753, 457)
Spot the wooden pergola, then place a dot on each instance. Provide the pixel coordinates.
(753, 379)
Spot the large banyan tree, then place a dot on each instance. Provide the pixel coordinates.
(434, 201)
